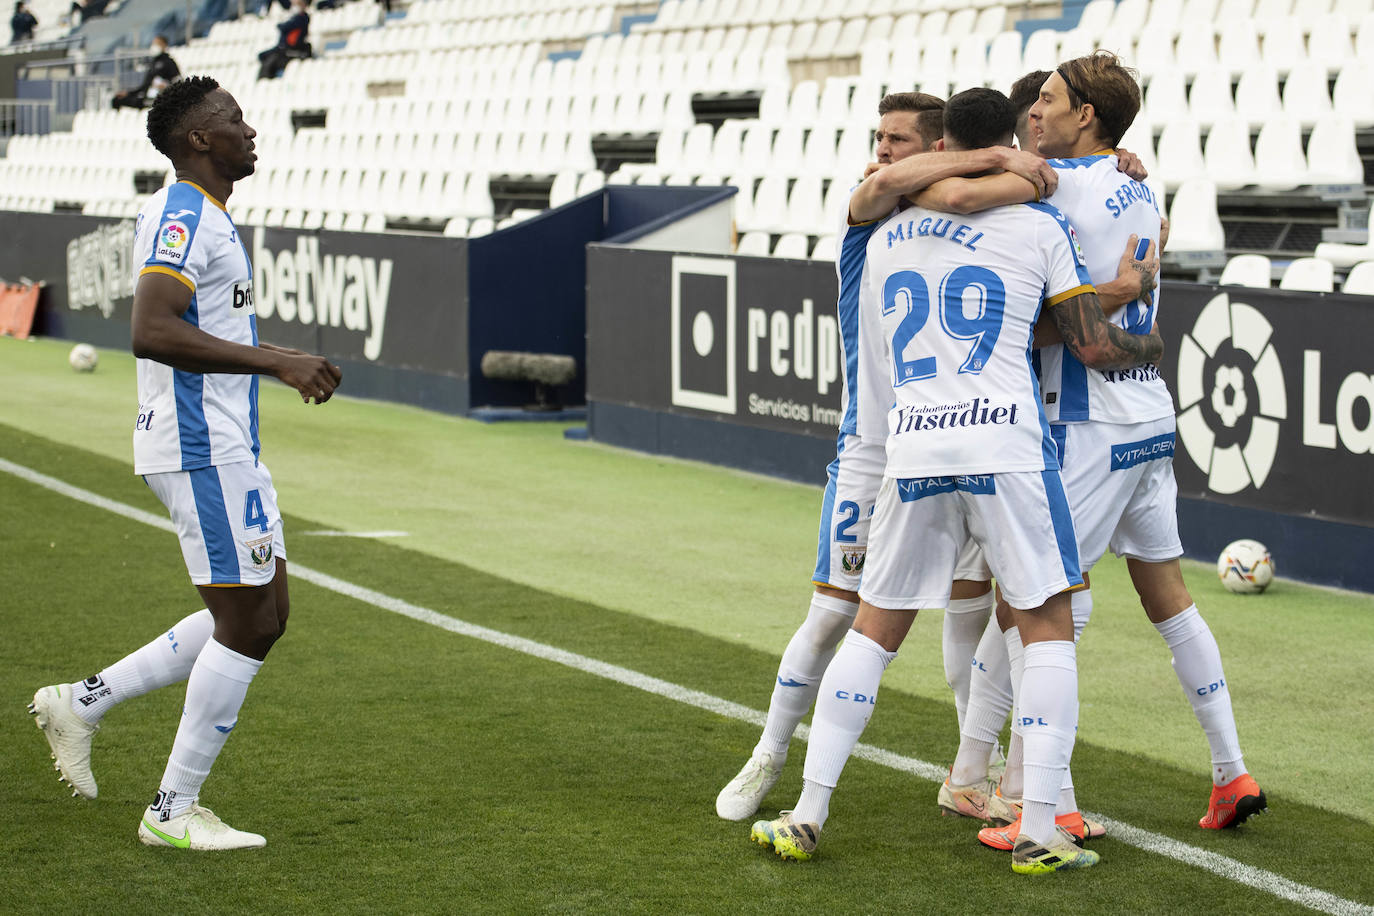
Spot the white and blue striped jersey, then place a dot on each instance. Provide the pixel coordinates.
(867, 390)
(1106, 207)
(190, 420)
(959, 297)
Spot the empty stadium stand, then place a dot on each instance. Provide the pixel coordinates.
(460, 117)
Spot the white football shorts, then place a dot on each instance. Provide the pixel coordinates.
(1020, 520)
(227, 521)
(847, 509)
(1120, 481)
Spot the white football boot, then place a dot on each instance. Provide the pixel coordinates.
(69, 737)
(742, 795)
(195, 828)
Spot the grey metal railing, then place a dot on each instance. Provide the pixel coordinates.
(26, 116)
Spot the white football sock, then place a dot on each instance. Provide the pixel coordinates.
(1197, 662)
(214, 693)
(847, 696)
(989, 701)
(1048, 710)
(803, 662)
(964, 622)
(1082, 605)
(165, 660)
(1013, 780)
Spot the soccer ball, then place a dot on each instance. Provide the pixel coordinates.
(1245, 567)
(83, 358)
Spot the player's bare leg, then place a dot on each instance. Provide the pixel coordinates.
(1197, 662)
(248, 621)
(799, 676)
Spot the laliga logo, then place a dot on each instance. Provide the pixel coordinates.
(173, 235)
(1227, 332)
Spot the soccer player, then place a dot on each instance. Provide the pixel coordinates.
(196, 445)
(969, 454)
(910, 123)
(1115, 430)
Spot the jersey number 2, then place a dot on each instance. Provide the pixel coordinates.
(909, 287)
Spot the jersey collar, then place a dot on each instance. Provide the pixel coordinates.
(207, 194)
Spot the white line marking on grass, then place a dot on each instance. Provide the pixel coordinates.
(1219, 865)
(357, 534)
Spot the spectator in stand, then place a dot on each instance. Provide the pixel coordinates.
(162, 72)
(290, 45)
(22, 24)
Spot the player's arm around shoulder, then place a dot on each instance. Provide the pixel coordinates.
(1024, 177)
(160, 333)
(1097, 342)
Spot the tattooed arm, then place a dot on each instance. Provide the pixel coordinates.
(1096, 342)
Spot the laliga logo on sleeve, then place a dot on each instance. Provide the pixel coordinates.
(171, 240)
(1235, 446)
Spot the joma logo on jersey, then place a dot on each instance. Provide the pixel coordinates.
(342, 290)
(243, 296)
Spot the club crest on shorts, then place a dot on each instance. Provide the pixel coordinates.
(260, 551)
(852, 559)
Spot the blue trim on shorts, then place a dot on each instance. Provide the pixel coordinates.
(1062, 521)
(1060, 435)
(220, 547)
(832, 472)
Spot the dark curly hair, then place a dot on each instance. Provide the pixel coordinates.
(171, 107)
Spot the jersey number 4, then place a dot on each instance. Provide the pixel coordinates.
(907, 288)
(253, 514)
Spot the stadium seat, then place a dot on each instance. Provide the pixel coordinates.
(1284, 47)
(1180, 153)
(1305, 93)
(788, 151)
(824, 249)
(1130, 15)
(1246, 270)
(792, 245)
(1352, 97)
(1309, 274)
(1329, 43)
(1096, 16)
(1257, 93)
(1193, 220)
(753, 243)
(1197, 51)
(1279, 161)
(1154, 55)
(805, 213)
(1165, 98)
(1332, 155)
(1041, 51)
(1227, 156)
(1360, 280)
(1210, 99)
(1238, 47)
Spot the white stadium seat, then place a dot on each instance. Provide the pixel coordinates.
(1360, 280)
(1309, 274)
(1247, 270)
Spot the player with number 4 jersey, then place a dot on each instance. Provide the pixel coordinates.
(196, 444)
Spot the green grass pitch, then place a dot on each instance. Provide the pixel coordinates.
(395, 767)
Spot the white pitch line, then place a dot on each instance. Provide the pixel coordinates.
(330, 533)
(1222, 866)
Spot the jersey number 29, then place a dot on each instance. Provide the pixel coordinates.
(907, 287)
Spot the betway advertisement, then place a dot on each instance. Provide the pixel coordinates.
(388, 301)
(750, 341)
(1275, 399)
